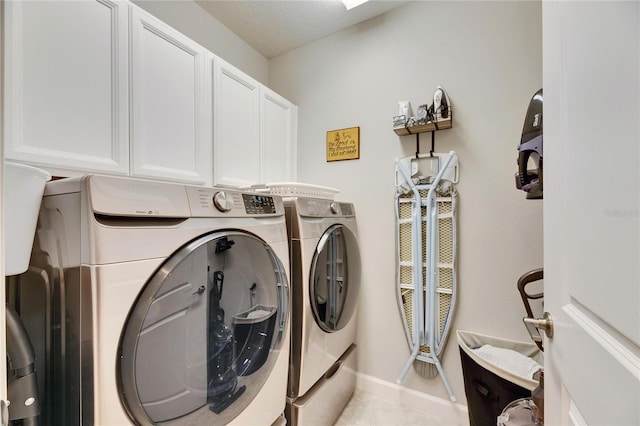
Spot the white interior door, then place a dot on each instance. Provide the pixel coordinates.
(3, 336)
(591, 212)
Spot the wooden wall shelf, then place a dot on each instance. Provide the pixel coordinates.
(430, 126)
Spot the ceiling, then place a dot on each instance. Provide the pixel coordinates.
(274, 27)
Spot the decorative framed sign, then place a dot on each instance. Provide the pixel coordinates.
(343, 144)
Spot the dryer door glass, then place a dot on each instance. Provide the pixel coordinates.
(204, 333)
(335, 278)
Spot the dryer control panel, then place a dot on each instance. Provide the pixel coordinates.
(317, 207)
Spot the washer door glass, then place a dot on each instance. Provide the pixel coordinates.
(205, 332)
(335, 278)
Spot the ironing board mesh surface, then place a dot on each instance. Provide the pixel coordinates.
(445, 240)
(425, 243)
(408, 312)
(405, 242)
(407, 299)
(405, 210)
(405, 275)
(445, 304)
(445, 278)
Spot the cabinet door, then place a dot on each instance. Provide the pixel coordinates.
(236, 127)
(279, 133)
(168, 103)
(66, 85)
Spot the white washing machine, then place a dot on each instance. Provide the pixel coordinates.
(325, 282)
(158, 303)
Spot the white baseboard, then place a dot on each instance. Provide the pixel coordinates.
(450, 412)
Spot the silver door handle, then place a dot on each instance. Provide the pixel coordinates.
(545, 324)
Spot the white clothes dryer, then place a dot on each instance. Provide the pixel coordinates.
(325, 282)
(159, 303)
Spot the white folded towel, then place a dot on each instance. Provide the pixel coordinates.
(509, 360)
(258, 313)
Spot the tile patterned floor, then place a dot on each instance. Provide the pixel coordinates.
(368, 409)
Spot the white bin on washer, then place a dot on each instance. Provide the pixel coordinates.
(23, 189)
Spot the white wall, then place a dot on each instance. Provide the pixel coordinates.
(190, 19)
(488, 57)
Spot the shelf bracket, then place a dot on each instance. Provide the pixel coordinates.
(433, 143)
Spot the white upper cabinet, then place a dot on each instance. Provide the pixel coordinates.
(278, 119)
(255, 130)
(236, 123)
(102, 86)
(169, 110)
(66, 92)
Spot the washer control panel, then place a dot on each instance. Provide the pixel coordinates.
(258, 204)
(231, 202)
